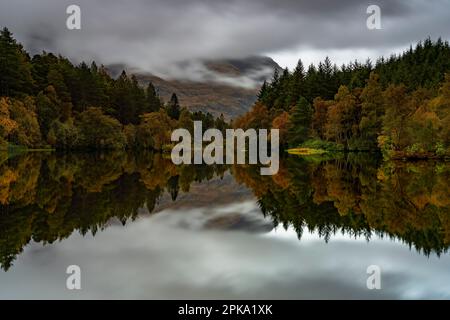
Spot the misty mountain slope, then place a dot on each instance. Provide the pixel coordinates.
(226, 86)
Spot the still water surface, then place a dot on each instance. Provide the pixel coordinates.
(140, 227)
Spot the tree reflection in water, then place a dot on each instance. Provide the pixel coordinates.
(45, 197)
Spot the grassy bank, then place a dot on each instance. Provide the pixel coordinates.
(316, 147)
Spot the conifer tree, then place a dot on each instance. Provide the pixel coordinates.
(300, 122)
(153, 100)
(15, 67)
(173, 107)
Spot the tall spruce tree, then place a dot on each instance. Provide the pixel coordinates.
(15, 67)
(153, 100)
(173, 108)
(300, 122)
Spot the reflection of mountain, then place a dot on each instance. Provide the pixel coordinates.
(220, 86)
(218, 191)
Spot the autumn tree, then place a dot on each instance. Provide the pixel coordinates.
(397, 111)
(281, 122)
(27, 133)
(371, 111)
(257, 118)
(319, 117)
(341, 117)
(155, 130)
(7, 125)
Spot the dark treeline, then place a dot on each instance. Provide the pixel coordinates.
(400, 105)
(45, 100)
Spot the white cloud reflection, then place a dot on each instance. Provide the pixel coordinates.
(177, 255)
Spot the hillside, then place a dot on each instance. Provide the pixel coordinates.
(225, 86)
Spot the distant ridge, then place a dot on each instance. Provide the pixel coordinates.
(227, 86)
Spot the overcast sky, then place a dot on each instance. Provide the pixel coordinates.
(154, 34)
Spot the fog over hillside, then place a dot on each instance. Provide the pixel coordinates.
(225, 86)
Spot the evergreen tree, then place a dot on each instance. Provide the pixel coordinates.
(300, 123)
(173, 107)
(296, 89)
(153, 100)
(15, 67)
(125, 110)
(262, 94)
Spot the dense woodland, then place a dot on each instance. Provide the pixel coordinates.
(46, 101)
(400, 105)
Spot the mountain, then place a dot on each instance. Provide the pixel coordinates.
(227, 86)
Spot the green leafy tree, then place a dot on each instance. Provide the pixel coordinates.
(27, 132)
(100, 131)
(371, 111)
(48, 109)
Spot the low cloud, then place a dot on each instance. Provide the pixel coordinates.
(157, 36)
(198, 71)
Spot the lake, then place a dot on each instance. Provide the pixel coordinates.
(140, 227)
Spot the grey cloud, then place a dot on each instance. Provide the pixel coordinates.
(157, 35)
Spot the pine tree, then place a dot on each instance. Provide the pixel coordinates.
(262, 94)
(173, 107)
(296, 88)
(153, 100)
(300, 122)
(125, 110)
(15, 67)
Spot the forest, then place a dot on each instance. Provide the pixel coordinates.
(399, 106)
(48, 102)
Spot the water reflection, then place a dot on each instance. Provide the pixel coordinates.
(221, 232)
(360, 196)
(45, 197)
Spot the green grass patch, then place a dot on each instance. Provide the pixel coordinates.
(306, 151)
(318, 144)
